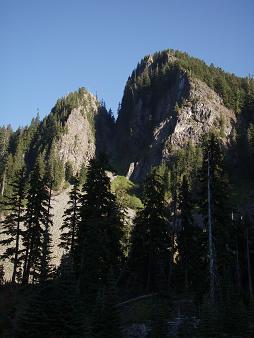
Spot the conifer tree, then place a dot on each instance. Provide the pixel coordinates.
(190, 244)
(54, 309)
(45, 261)
(99, 233)
(11, 225)
(71, 220)
(37, 222)
(149, 254)
(5, 134)
(55, 168)
(216, 211)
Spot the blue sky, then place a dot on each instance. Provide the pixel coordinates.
(52, 47)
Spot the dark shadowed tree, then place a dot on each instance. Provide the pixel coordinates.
(11, 225)
(71, 219)
(37, 223)
(100, 231)
(149, 255)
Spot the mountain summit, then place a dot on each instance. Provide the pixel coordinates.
(170, 100)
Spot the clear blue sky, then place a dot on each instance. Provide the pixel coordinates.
(52, 47)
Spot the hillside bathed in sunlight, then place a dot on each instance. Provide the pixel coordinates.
(135, 221)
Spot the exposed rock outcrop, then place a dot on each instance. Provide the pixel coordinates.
(153, 127)
(77, 144)
(87, 132)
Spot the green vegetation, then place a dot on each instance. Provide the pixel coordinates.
(191, 241)
(162, 72)
(125, 191)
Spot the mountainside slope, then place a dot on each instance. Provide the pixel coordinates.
(169, 101)
(172, 99)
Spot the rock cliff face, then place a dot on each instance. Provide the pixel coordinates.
(77, 144)
(154, 126)
(164, 107)
(87, 131)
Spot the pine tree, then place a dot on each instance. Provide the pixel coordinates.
(99, 232)
(149, 254)
(217, 213)
(37, 222)
(5, 134)
(190, 245)
(45, 262)
(71, 220)
(54, 308)
(11, 225)
(55, 168)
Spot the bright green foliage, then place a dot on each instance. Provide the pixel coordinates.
(100, 231)
(150, 239)
(71, 220)
(124, 190)
(11, 225)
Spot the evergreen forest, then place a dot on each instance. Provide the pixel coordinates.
(170, 255)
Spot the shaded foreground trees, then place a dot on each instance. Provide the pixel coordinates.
(100, 232)
(11, 225)
(150, 243)
(169, 252)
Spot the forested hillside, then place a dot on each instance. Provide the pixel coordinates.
(158, 233)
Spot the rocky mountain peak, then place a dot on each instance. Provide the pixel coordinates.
(165, 106)
(82, 116)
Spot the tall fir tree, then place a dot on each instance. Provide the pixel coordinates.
(37, 223)
(216, 211)
(71, 220)
(99, 233)
(54, 308)
(45, 262)
(11, 226)
(190, 243)
(149, 254)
